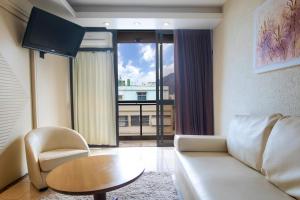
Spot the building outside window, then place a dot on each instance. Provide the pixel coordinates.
(123, 121)
(145, 120)
(141, 96)
(135, 120)
(120, 97)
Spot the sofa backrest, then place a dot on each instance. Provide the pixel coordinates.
(281, 161)
(248, 136)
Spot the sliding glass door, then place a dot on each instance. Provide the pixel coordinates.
(165, 93)
(146, 86)
(136, 90)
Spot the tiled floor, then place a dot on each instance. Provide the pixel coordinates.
(154, 159)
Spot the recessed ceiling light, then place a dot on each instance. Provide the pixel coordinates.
(106, 23)
(166, 23)
(137, 23)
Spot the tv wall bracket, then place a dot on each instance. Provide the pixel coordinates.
(42, 54)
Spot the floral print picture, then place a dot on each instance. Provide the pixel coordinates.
(277, 31)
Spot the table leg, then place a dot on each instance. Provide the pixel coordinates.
(100, 196)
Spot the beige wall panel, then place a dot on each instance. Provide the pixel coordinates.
(237, 89)
(53, 91)
(15, 105)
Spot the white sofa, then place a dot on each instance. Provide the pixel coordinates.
(49, 147)
(258, 160)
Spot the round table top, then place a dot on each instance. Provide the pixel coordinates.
(94, 174)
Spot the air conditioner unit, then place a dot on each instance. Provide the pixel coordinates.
(97, 40)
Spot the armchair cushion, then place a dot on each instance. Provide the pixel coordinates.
(196, 143)
(50, 159)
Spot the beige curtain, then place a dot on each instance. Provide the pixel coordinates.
(94, 97)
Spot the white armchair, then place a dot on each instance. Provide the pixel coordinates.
(49, 147)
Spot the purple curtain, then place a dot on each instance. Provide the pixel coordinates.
(194, 82)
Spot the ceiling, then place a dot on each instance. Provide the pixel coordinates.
(147, 2)
(138, 14)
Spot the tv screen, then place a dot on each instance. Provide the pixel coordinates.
(48, 33)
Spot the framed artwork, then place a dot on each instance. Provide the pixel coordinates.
(277, 35)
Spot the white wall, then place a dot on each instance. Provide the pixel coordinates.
(15, 104)
(53, 91)
(237, 89)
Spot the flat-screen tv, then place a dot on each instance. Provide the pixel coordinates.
(48, 33)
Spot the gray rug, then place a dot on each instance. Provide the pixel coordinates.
(150, 186)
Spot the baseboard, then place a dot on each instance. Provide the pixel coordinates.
(13, 183)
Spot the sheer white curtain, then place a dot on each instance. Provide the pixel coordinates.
(94, 97)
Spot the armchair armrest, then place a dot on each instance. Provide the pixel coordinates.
(52, 138)
(47, 139)
(192, 143)
(72, 139)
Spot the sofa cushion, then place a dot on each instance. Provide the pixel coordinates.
(50, 159)
(281, 162)
(215, 176)
(248, 136)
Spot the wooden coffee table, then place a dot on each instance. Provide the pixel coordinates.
(94, 175)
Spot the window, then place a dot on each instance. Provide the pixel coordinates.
(145, 121)
(121, 82)
(123, 121)
(136, 72)
(141, 96)
(168, 72)
(120, 97)
(139, 54)
(135, 120)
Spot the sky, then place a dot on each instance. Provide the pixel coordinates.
(136, 61)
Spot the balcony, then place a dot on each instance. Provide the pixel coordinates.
(138, 120)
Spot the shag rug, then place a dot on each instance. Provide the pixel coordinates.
(150, 186)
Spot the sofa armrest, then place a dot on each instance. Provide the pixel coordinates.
(192, 143)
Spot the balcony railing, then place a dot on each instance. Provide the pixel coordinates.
(147, 123)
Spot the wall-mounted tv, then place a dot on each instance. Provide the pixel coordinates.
(48, 33)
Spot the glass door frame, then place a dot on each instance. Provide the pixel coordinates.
(159, 40)
(160, 101)
(128, 37)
